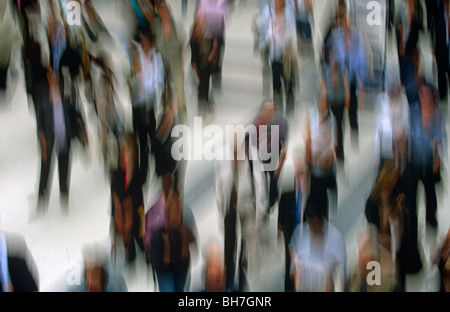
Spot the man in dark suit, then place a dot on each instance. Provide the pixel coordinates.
(58, 120)
(54, 128)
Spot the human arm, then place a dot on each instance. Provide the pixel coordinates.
(347, 92)
(43, 143)
(281, 161)
(193, 42)
(215, 49)
(164, 13)
(220, 198)
(330, 159)
(309, 5)
(307, 139)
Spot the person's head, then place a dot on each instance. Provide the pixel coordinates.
(267, 112)
(341, 13)
(34, 5)
(96, 262)
(386, 181)
(214, 267)
(147, 40)
(315, 215)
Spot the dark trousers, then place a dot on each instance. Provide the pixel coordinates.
(408, 78)
(288, 220)
(230, 242)
(278, 80)
(304, 28)
(63, 171)
(216, 73)
(288, 283)
(353, 109)
(273, 189)
(319, 191)
(135, 239)
(429, 186)
(3, 78)
(203, 91)
(144, 124)
(443, 71)
(338, 112)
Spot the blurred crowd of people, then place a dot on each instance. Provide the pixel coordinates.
(62, 58)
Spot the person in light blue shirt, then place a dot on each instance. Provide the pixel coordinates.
(350, 53)
(428, 144)
(281, 39)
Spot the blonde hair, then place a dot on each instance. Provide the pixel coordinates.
(386, 180)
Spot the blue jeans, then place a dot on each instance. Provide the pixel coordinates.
(172, 280)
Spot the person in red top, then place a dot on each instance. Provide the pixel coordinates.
(127, 198)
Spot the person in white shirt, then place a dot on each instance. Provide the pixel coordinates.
(319, 253)
(321, 145)
(146, 89)
(240, 195)
(391, 117)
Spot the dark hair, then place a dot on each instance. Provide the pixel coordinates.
(386, 180)
(145, 32)
(316, 207)
(263, 103)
